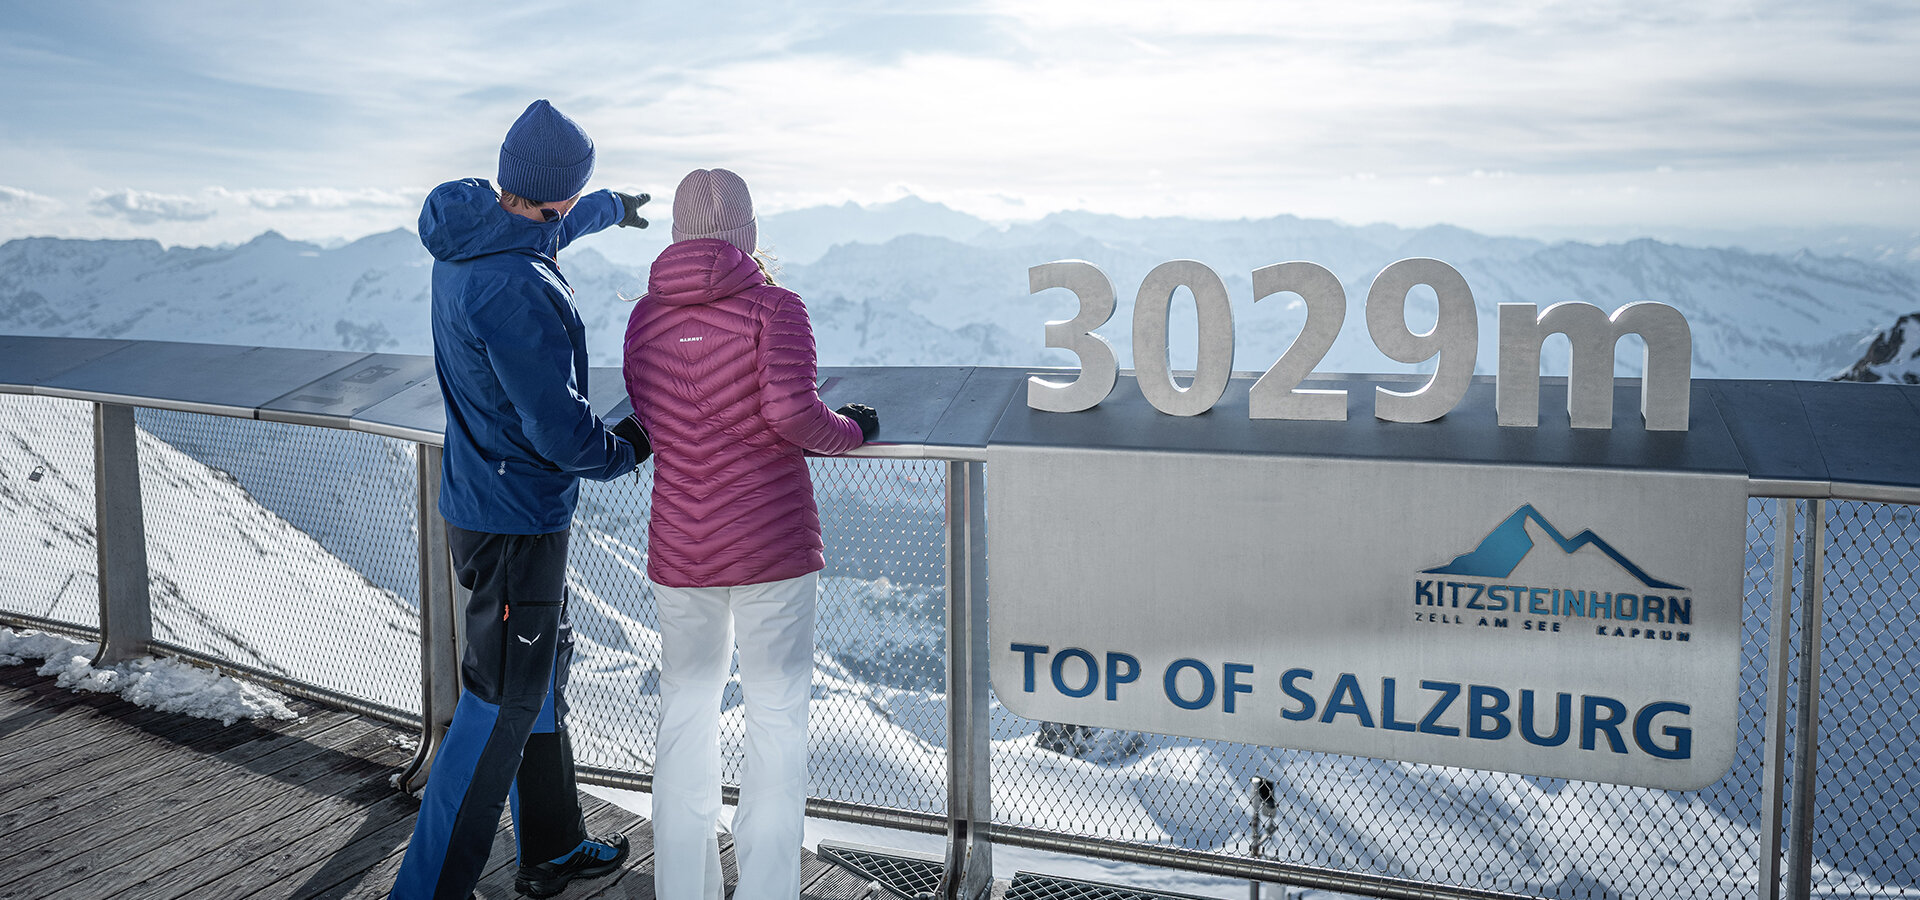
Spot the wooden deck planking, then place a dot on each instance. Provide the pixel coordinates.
(103, 798)
(77, 726)
(313, 795)
(109, 778)
(218, 807)
(335, 852)
(129, 813)
(114, 817)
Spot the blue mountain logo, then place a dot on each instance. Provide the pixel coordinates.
(1501, 551)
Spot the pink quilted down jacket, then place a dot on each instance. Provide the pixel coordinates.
(720, 367)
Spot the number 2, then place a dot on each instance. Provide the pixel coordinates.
(1276, 394)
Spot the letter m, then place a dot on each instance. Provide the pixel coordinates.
(1666, 369)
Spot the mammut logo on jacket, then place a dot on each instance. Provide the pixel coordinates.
(692, 339)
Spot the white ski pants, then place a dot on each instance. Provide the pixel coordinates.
(774, 625)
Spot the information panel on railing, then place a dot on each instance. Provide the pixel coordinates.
(1558, 620)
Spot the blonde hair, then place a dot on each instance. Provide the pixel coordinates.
(768, 263)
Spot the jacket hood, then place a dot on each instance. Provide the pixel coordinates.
(464, 219)
(701, 271)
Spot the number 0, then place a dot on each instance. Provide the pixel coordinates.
(1150, 338)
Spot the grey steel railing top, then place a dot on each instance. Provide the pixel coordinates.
(27, 361)
(354, 390)
(1822, 439)
(1468, 434)
(202, 378)
(931, 412)
(1789, 438)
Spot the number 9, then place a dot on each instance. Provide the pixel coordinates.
(1454, 339)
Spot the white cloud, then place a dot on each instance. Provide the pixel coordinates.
(323, 198)
(1410, 111)
(20, 200)
(146, 207)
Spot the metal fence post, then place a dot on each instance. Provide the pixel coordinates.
(439, 637)
(1807, 726)
(1779, 702)
(969, 860)
(126, 610)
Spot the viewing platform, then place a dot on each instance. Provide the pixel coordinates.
(103, 798)
(1218, 647)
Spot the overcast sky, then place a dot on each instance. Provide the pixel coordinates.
(199, 121)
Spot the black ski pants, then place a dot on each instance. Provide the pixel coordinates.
(508, 741)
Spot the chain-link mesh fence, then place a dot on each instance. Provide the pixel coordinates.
(287, 549)
(47, 537)
(878, 727)
(1866, 825)
(293, 550)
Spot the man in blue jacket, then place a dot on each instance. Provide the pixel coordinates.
(510, 351)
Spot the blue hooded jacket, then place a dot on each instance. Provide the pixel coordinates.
(511, 354)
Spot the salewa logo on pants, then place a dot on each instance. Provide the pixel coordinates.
(527, 641)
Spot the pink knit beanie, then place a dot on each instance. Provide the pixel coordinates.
(713, 203)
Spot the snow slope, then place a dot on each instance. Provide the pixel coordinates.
(230, 578)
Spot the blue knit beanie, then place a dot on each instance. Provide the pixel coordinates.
(546, 157)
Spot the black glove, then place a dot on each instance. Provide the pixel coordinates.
(631, 203)
(863, 414)
(629, 430)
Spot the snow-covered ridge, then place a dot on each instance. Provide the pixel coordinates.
(1892, 354)
(914, 283)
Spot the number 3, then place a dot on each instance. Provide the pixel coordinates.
(1098, 368)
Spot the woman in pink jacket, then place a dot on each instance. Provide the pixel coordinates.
(719, 364)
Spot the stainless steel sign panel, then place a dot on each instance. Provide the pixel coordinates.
(1578, 623)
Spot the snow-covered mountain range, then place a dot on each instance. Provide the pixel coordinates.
(914, 283)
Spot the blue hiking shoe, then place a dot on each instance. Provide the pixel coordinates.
(593, 858)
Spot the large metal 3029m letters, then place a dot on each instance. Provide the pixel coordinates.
(1452, 344)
